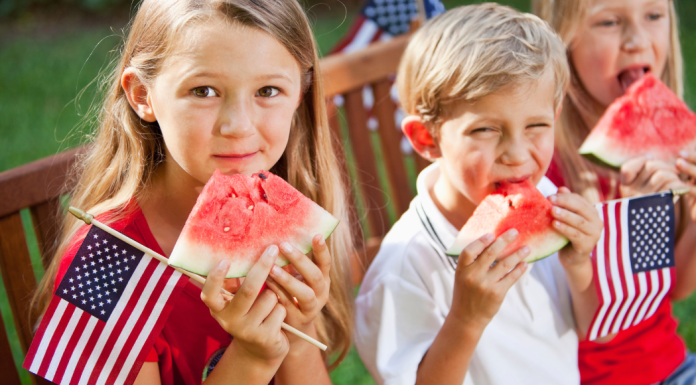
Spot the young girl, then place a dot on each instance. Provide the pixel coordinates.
(230, 85)
(611, 44)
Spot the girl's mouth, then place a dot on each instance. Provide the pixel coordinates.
(235, 156)
(631, 75)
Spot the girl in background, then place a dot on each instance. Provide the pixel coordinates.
(230, 85)
(610, 45)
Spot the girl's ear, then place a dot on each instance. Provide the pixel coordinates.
(137, 95)
(419, 136)
(558, 111)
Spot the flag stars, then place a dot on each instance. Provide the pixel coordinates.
(82, 293)
(91, 299)
(65, 291)
(89, 248)
(101, 304)
(101, 260)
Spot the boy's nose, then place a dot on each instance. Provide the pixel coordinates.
(236, 120)
(516, 153)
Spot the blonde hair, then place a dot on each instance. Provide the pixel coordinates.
(472, 51)
(125, 150)
(581, 175)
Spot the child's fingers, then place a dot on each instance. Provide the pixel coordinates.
(306, 297)
(474, 249)
(247, 293)
(492, 252)
(508, 263)
(687, 164)
(274, 320)
(514, 275)
(573, 220)
(322, 256)
(262, 307)
(311, 273)
(631, 169)
(210, 294)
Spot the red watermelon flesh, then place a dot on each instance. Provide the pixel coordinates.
(648, 119)
(513, 205)
(237, 217)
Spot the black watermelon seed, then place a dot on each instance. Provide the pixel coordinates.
(262, 176)
(265, 196)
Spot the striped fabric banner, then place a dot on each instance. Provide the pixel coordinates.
(632, 261)
(105, 315)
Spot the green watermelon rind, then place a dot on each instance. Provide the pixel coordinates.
(240, 268)
(555, 242)
(594, 149)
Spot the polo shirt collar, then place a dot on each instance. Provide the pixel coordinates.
(441, 232)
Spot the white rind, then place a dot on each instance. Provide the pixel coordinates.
(185, 251)
(540, 246)
(598, 147)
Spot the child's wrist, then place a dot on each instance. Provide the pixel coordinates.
(469, 324)
(256, 361)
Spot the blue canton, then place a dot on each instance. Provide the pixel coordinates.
(99, 273)
(651, 225)
(394, 16)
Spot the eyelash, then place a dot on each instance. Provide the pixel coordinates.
(276, 89)
(207, 95)
(655, 16)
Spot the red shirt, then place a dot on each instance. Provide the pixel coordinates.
(643, 354)
(191, 341)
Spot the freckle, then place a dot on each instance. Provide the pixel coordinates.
(226, 229)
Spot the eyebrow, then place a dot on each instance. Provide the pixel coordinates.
(601, 7)
(210, 74)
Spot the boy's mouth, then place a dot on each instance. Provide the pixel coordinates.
(511, 180)
(631, 75)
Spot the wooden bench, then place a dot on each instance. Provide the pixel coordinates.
(38, 186)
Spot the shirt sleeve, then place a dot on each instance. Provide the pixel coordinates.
(396, 323)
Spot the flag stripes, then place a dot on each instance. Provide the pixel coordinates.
(77, 348)
(628, 294)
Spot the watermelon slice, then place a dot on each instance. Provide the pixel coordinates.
(649, 118)
(237, 217)
(513, 205)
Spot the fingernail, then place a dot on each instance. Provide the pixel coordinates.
(681, 162)
(525, 250)
(512, 234)
(321, 241)
(684, 154)
(556, 210)
(272, 250)
(487, 237)
(287, 249)
(276, 271)
(525, 264)
(224, 264)
(553, 198)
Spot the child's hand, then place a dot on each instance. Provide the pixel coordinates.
(252, 318)
(577, 219)
(479, 289)
(644, 175)
(686, 164)
(303, 298)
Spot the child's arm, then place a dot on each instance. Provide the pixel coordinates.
(479, 291)
(578, 220)
(642, 176)
(304, 363)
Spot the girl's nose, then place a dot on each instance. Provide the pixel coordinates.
(635, 38)
(236, 120)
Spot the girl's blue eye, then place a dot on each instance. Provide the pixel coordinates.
(267, 92)
(654, 16)
(204, 92)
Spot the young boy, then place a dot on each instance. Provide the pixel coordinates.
(482, 85)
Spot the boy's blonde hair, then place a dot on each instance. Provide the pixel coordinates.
(473, 51)
(581, 175)
(125, 150)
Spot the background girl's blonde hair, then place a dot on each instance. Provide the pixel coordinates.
(126, 150)
(473, 51)
(581, 175)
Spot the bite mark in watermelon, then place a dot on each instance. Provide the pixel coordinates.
(649, 118)
(237, 217)
(513, 205)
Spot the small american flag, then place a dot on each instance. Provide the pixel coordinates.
(105, 314)
(380, 20)
(632, 261)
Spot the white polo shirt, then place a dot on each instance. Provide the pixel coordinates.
(407, 293)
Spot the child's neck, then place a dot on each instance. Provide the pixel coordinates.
(456, 208)
(167, 203)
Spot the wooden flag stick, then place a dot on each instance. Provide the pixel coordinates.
(89, 219)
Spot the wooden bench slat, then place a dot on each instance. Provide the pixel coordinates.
(18, 275)
(421, 162)
(366, 166)
(35, 182)
(45, 218)
(8, 369)
(346, 72)
(390, 138)
(363, 258)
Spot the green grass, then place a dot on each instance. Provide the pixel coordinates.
(41, 77)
